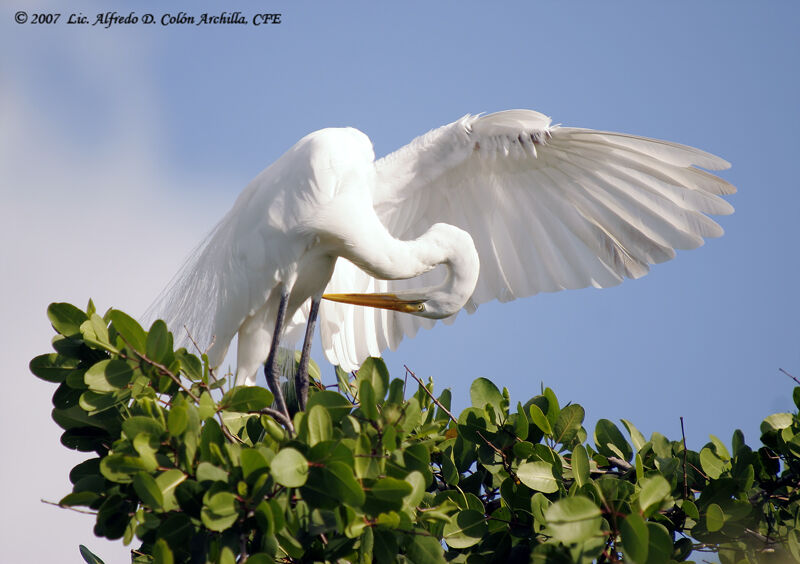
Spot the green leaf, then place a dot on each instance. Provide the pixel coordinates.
(607, 435)
(655, 490)
(320, 427)
(720, 449)
(76, 417)
(635, 538)
(142, 424)
(89, 556)
(162, 554)
(423, 550)
(417, 482)
(192, 368)
(97, 402)
(95, 333)
(580, 465)
(776, 422)
(712, 464)
(342, 484)
(449, 471)
(337, 405)
(482, 392)
(289, 468)
(637, 438)
(737, 441)
(53, 367)
(366, 399)
(690, 509)
(206, 407)
(552, 406)
(252, 460)
(148, 491)
(417, 457)
(639, 467)
(538, 476)
(108, 376)
(540, 420)
(367, 544)
(660, 547)
(167, 481)
(66, 318)
(521, 423)
(207, 472)
(159, 342)
(146, 448)
(129, 329)
(391, 489)
(121, 468)
(219, 511)
(177, 420)
(385, 547)
(375, 372)
(260, 558)
(85, 498)
(472, 423)
(568, 423)
(466, 529)
(366, 465)
(574, 519)
(444, 400)
(715, 517)
(246, 399)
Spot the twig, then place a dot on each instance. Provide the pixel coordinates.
(243, 548)
(502, 454)
(619, 463)
(279, 415)
(85, 512)
(430, 395)
(196, 346)
(202, 352)
(789, 375)
(225, 431)
(685, 482)
(163, 369)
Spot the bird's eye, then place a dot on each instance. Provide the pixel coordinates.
(421, 307)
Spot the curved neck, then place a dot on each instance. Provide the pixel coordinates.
(384, 257)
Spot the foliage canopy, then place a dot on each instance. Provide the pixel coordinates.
(380, 470)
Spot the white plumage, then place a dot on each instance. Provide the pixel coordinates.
(547, 207)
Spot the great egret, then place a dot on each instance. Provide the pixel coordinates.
(509, 204)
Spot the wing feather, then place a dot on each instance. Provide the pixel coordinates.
(548, 207)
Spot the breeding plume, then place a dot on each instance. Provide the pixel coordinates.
(505, 205)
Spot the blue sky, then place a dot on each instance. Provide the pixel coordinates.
(121, 147)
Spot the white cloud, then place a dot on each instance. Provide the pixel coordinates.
(78, 219)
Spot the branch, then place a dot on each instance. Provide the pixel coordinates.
(685, 483)
(85, 512)
(163, 369)
(619, 463)
(430, 395)
(211, 344)
(789, 375)
(278, 415)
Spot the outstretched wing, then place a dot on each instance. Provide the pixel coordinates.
(549, 208)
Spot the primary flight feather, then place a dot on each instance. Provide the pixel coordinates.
(508, 204)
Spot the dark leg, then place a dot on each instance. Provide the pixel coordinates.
(301, 378)
(270, 368)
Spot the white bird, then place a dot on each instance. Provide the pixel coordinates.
(509, 204)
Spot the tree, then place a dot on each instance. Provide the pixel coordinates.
(380, 470)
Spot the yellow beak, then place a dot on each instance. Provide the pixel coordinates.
(383, 301)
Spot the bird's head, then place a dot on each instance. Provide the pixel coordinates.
(441, 244)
